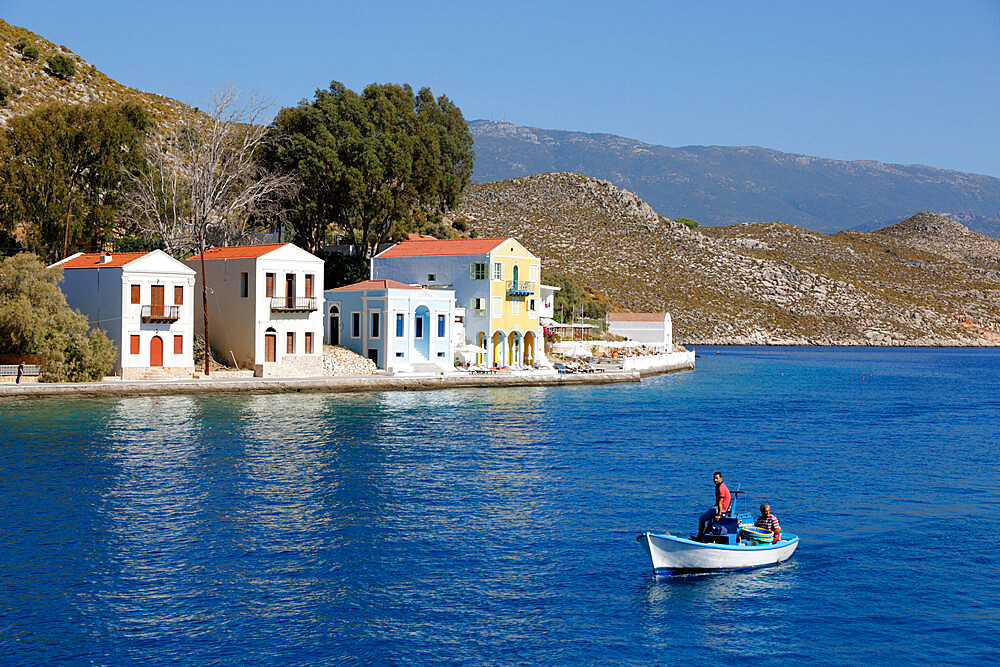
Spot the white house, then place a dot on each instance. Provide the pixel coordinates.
(402, 328)
(264, 307)
(653, 329)
(144, 302)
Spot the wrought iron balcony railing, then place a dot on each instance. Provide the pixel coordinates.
(521, 287)
(159, 313)
(291, 304)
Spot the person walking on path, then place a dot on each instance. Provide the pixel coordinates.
(723, 499)
(768, 521)
(20, 373)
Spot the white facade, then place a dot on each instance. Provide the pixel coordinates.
(144, 302)
(264, 308)
(548, 297)
(654, 329)
(402, 328)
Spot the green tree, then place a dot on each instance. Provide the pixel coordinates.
(571, 298)
(27, 49)
(384, 161)
(61, 171)
(35, 320)
(691, 224)
(62, 66)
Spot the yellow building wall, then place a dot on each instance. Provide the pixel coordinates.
(513, 254)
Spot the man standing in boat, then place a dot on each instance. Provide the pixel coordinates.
(723, 500)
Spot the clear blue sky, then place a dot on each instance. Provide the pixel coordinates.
(907, 82)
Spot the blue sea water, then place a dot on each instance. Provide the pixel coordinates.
(497, 525)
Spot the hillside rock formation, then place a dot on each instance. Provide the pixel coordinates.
(720, 185)
(924, 281)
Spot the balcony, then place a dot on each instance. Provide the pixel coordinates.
(521, 287)
(160, 314)
(293, 304)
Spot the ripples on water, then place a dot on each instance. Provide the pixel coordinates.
(498, 525)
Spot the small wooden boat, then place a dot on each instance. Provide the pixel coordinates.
(738, 546)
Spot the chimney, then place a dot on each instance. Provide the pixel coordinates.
(105, 259)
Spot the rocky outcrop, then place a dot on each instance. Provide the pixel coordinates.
(926, 281)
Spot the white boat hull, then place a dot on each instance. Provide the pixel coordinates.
(670, 553)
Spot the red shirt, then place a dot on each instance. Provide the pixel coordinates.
(722, 491)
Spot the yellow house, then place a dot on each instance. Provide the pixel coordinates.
(496, 281)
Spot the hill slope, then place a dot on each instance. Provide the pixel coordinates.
(927, 281)
(39, 87)
(719, 185)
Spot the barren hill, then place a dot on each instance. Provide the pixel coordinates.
(38, 86)
(927, 281)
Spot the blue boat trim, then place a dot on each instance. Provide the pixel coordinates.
(729, 547)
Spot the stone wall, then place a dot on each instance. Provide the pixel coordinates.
(291, 367)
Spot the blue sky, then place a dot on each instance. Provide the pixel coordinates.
(906, 82)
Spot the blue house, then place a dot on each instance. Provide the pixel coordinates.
(402, 328)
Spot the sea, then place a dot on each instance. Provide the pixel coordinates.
(498, 526)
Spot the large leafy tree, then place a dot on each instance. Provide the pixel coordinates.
(35, 320)
(372, 163)
(61, 171)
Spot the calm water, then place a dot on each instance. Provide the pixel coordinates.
(497, 526)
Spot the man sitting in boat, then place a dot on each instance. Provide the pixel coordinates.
(723, 500)
(768, 521)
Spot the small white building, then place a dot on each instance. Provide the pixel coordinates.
(653, 329)
(402, 328)
(264, 307)
(547, 306)
(144, 302)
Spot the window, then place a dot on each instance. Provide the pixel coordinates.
(440, 326)
(400, 319)
(478, 307)
(178, 295)
(135, 294)
(497, 271)
(269, 285)
(532, 305)
(290, 345)
(533, 273)
(399, 355)
(515, 306)
(309, 285)
(477, 271)
(418, 328)
(355, 325)
(309, 342)
(133, 345)
(431, 277)
(497, 306)
(178, 344)
(373, 355)
(440, 354)
(244, 284)
(376, 330)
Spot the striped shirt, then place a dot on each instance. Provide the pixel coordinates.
(769, 522)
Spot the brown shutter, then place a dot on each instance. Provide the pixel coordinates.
(135, 294)
(270, 345)
(290, 347)
(269, 286)
(178, 295)
(309, 285)
(133, 345)
(178, 344)
(156, 300)
(309, 342)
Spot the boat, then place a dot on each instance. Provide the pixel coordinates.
(741, 546)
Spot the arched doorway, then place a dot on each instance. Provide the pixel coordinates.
(334, 337)
(498, 350)
(514, 348)
(270, 345)
(481, 342)
(155, 351)
(529, 348)
(421, 331)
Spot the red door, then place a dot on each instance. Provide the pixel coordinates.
(156, 351)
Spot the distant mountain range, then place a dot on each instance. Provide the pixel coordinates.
(720, 185)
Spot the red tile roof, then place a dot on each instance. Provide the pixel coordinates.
(437, 247)
(637, 317)
(373, 284)
(240, 251)
(92, 260)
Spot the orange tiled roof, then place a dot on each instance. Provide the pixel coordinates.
(240, 251)
(437, 247)
(92, 260)
(373, 284)
(636, 317)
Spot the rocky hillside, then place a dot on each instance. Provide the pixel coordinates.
(719, 185)
(924, 281)
(36, 85)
